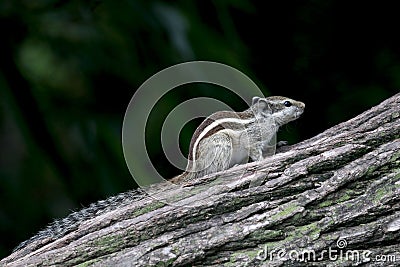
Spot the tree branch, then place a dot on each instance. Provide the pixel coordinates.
(337, 193)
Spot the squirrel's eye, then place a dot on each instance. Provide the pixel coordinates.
(287, 103)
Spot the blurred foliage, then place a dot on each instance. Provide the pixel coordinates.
(69, 68)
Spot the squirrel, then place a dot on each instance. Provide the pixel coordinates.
(222, 140)
(227, 138)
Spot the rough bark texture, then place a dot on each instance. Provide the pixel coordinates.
(330, 200)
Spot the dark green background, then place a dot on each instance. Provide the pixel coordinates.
(69, 68)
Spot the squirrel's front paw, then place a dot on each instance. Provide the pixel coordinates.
(282, 143)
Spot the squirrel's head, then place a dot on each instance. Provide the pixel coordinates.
(282, 109)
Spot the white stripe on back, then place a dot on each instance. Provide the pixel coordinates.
(215, 124)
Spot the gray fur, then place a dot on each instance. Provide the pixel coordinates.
(226, 138)
(72, 222)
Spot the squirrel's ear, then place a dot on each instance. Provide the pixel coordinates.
(255, 100)
(263, 105)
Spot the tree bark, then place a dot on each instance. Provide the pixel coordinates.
(329, 200)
